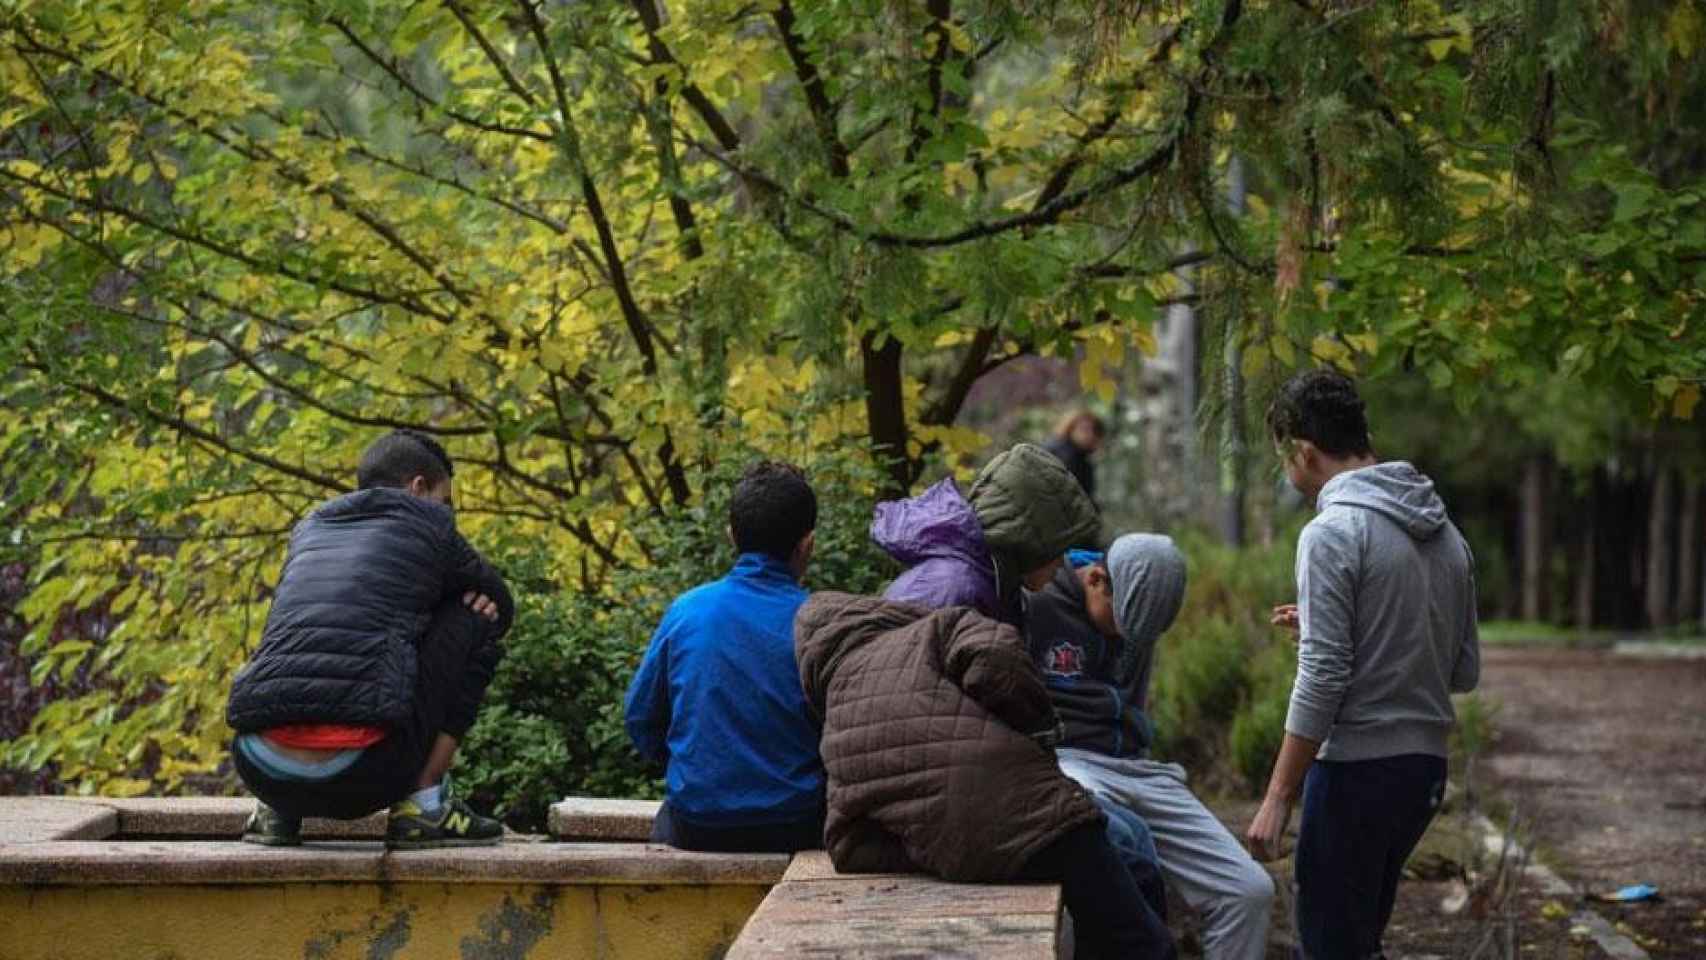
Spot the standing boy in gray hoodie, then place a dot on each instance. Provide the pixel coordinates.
(1386, 614)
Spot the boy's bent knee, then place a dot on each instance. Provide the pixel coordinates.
(1254, 889)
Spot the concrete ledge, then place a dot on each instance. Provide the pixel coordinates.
(214, 817)
(602, 818)
(1660, 650)
(44, 819)
(224, 862)
(809, 865)
(817, 912)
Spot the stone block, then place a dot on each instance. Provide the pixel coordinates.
(602, 818)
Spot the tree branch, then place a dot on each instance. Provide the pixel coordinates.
(946, 409)
(491, 52)
(638, 327)
(937, 35)
(811, 82)
(695, 97)
(102, 206)
(415, 91)
(188, 429)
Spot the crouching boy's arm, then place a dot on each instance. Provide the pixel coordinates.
(989, 661)
(465, 571)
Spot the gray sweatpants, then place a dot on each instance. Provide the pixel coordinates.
(1199, 856)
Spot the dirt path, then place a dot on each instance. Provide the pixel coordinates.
(1605, 759)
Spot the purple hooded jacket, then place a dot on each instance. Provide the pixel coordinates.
(936, 535)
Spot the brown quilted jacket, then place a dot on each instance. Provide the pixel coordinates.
(928, 723)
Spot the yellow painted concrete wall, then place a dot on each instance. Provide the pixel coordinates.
(320, 921)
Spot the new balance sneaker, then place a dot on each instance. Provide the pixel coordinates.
(270, 828)
(410, 828)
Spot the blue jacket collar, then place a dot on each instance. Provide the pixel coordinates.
(762, 565)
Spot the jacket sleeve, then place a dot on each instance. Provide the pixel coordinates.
(646, 709)
(1326, 609)
(988, 660)
(464, 570)
(1466, 668)
(868, 848)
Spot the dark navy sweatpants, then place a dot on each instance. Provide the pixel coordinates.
(1361, 820)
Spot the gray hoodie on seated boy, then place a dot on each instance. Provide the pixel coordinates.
(1093, 632)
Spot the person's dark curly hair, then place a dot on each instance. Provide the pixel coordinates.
(400, 456)
(772, 509)
(1321, 406)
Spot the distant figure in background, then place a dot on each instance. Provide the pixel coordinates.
(1078, 435)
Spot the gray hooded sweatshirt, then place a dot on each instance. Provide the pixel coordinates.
(1386, 606)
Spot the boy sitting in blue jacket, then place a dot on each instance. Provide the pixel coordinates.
(717, 700)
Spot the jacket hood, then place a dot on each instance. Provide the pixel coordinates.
(1030, 508)
(1148, 574)
(936, 523)
(1396, 489)
(829, 625)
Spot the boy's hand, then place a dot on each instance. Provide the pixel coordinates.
(1266, 831)
(1285, 615)
(480, 604)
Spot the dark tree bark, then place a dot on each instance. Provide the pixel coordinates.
(1536, 536)
(1618, 550)
(885, 411)
(1661, 568)
(1234, 480)
(1585, 556)
(1688, 553)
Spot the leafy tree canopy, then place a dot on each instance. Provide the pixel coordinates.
(588, 243)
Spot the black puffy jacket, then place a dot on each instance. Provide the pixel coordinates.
(363, 576)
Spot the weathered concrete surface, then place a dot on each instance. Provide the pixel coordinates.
(602, 818)
(815, 865)
(33, 819)
(816, 912)
(41, 819)
(145, 863)
(372, 921)
(214, 817)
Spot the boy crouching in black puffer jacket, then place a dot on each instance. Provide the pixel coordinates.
(381, 640)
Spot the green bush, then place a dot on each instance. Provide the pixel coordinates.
(1258, 729)
(552, 722)
(1223, 675)
(1200, 681)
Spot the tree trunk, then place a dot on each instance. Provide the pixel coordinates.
(1235, 455)
(1507, 506)
(1234, 463)
(1661, 524)
(1585, 557)
(1688, 554)
(885, 411)
(1535, 529)
(1618, 570)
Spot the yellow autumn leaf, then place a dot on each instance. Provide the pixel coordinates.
(1684, 401)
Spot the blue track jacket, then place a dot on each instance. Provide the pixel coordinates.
(717, 701)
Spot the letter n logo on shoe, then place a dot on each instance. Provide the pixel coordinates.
(457, 822)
